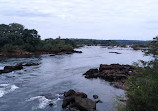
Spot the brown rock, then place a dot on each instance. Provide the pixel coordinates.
(113, 73)
(81, 94)
(92, 73)
(69, 93)
(85, 104)
(78, 101)
(8, 69)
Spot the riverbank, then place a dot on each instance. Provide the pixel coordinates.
(21, 53)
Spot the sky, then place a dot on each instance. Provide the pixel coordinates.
(92, 19)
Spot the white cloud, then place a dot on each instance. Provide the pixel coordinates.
(103, 19)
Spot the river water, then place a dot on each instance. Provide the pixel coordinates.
(33, 88)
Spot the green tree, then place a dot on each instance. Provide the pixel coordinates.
(142, 93)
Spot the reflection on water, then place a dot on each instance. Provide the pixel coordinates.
(60, 73)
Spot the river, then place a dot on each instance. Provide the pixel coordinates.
(34, 87)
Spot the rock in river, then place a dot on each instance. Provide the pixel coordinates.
(8, 69)
(31, 64)
(114, 73)
(78, 101)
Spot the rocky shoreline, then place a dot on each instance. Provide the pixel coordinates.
(116, 74)
(20, 53)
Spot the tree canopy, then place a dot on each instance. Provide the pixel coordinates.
(16, 37)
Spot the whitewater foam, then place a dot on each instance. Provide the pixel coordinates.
(7, 88)
(1, 68)
(43, 102)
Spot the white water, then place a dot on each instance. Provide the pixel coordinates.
(7, 88)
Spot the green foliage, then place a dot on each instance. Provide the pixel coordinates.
(58, 45)
(94, 42)
(16, 37)
(9, 47)
(142, 93)
(121, 43)
(153, 48)
(139, 46)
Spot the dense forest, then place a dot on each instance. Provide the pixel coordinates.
(16, 37)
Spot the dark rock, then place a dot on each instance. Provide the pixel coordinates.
(74, 109)
(50, 104)
(68, 100)
(69, 93)
(52, 55)
(78, 101)
(77, 51)
(85, 104)
(92, 73)
(123, 100)
(112, 73)
(95, 96)
(16, 67)
(8, 69)
(115, 52)
(81, 94)
(1, 71)
(69, 52)
(31, 64)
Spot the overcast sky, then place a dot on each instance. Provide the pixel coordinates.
(94, 19)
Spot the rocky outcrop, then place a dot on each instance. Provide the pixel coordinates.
(8, 69)
(31, 64)
(78, 101)
(92, 73)
(77, 51)
(115, 73)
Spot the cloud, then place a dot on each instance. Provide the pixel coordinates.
(25, 13)
(116, 19)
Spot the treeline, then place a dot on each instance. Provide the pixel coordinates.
(16, 37)
(142, 92)
(122, 43)
(94, 42)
